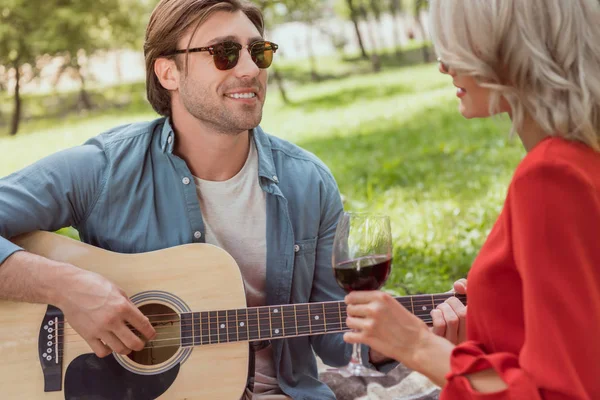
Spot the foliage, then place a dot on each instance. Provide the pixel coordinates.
(400, 148)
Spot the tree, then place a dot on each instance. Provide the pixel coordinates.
(348, 9)
(83, 28)
(23, 26)
(395, 7)
(363, 10)
(419, 6)
(73, 29)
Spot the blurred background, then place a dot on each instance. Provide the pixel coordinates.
(354, 81)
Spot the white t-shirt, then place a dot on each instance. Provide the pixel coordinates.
(235, 219)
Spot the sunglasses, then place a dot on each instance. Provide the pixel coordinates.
(227, 54)
(444, 67)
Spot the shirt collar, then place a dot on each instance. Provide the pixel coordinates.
(266, 165)
(167, 137)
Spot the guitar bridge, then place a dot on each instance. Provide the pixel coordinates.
(50, 348)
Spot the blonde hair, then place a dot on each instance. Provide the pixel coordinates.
(542, 56)
(169, 22)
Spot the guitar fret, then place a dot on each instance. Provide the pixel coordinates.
(288, 317)
(276, 322)
(213, 327)
(333, 319)
(253, 324)
(324, 318)
(242, 322)
(237, 326)
(222, 326)
(204, 327)
(270, 320)
(302, 319)
(264, 326)
(296, 319)
(186, 331)
(232, 327)
(316, 319)
(197, 329)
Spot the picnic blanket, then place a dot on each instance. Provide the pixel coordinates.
(399, 384)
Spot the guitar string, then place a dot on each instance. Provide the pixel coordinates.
(228, 320)
(248, 319)
(341, 330)
(303, 306)
(225, 335)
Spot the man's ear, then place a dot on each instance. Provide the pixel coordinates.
(167, 73)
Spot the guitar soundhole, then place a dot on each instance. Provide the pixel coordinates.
(165, 344)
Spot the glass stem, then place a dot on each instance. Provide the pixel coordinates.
(356, 354)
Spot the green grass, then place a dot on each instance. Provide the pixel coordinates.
(395, 143)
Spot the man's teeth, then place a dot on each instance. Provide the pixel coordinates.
(242, 95)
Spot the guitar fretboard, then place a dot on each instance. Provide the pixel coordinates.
(292, 320)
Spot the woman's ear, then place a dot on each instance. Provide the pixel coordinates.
(167, 73)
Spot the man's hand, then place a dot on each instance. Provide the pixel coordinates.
(103, 314)
(450, 317)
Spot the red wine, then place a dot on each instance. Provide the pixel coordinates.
(365, 273)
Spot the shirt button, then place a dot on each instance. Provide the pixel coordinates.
(296, 248)
(170, 139)
(186, 181)
(275, 178)
(197, 234)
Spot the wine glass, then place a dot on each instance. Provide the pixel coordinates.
(362, 258)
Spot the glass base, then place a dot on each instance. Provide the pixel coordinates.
(356, 369)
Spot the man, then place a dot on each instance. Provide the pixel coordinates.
(205, 172)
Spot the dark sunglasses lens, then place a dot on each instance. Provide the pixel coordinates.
(225, 56)
(262, 54)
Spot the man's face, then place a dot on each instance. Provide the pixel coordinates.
(231, 100)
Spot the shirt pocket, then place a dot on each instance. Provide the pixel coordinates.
(305, 252)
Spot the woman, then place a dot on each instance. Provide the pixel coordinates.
(534, 289)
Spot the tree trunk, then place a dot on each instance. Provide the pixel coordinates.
(314, 75)
(16, 118)
(424, 48)
(375, 60)
(396, 23)
(279, 80)
(84, 99)
(354, 17)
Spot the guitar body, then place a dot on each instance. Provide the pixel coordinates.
(195, 277)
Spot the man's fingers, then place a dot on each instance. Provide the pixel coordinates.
(115, 343)
(99, 348)
(129, 338)
(439, 324)
(140, 322)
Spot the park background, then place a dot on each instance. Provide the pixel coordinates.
(355, 82)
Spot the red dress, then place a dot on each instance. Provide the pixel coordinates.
(534, 289)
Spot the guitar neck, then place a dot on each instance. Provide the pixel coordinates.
(286, 321)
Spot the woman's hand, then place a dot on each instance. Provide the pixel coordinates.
(385, 325)
(450, 317)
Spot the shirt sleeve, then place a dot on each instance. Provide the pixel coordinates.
(555, 225)
(55, 192)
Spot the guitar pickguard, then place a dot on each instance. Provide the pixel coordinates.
(91, 377)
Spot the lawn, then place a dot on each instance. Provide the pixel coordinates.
(395, 143)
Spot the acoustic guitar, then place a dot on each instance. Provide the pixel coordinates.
(193, 295)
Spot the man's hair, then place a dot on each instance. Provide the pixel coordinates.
(542, 56)
(170, 21)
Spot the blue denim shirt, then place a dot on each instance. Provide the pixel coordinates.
(126, 191)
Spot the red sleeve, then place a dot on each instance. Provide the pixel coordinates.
(555, 227)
